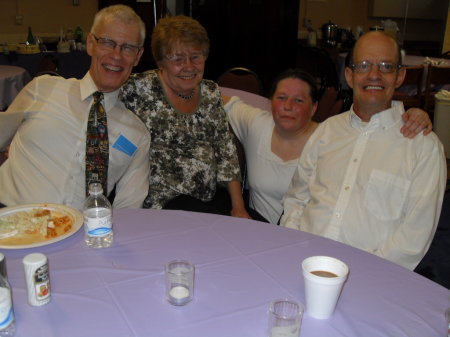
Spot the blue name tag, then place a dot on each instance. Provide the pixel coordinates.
(124, 145)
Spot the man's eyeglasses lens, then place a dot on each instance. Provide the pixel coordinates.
(182, 59)
(108, 44)
(383, 67)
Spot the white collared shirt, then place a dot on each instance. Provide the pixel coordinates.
(46, 162)
(366, 185)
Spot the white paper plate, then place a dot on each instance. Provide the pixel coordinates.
(75, 215)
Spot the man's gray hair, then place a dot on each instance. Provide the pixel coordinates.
(121, 13)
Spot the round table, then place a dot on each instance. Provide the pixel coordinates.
(12, 80)
(241, 265)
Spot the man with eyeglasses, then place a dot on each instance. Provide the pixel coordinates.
(359, 181)
(55, 126)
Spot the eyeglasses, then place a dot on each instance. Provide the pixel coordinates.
(126, 48)
(383, 67)
(180, 59)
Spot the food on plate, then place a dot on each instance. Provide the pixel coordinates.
(34, 224)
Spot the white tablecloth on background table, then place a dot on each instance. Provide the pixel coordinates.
(241, 265)
(12, 80)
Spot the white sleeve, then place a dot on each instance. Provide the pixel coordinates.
(240, 116)
(11, 119)
(413, 237)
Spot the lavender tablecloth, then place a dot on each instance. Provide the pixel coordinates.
(241, 265)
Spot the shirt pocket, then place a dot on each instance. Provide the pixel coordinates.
(386, 195)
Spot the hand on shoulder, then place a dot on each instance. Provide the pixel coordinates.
(225, 99)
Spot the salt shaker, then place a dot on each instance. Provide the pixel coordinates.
(37, 278)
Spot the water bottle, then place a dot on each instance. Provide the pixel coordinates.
(7, 323)
(97, 212)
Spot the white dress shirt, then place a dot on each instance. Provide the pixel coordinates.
(268, 175)
(46, 161)
(366, 185)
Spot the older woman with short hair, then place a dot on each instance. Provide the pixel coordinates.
(192, 148)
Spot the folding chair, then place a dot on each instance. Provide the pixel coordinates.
(436, 77)
(242, 79)
(410, 92)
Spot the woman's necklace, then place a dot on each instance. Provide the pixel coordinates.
(188, 96)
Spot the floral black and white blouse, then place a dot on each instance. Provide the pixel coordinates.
(189, 153)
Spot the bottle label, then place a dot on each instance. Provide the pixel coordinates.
(6, 312)
(98, 227)
(42, 282)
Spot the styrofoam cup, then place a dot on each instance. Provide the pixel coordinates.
(322, 293)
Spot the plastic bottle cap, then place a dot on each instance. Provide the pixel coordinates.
(95, 188)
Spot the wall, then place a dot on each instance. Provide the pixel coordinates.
(344, 13)
(446, 46)
(352, 13)
(45, 17)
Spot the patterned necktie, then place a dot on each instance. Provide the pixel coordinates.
(97, 146)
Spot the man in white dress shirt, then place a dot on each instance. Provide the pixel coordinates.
(359, 181)
(46, 124)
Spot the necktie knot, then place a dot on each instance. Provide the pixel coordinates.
(98, 96)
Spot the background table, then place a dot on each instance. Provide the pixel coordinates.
(12, 80)
(241, 265)
(74, 64)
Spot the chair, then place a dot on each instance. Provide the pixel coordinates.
(242, 79)
(48, 65)
(445, 55)
(436, 263)
(332, 102)
(410, 92)
(325, 104)
(436, 77)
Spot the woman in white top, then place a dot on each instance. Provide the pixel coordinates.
(273, 141)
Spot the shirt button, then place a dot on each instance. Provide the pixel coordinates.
(355, 160)
(338, 215)
(347, 188)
